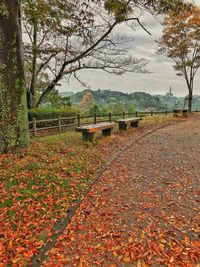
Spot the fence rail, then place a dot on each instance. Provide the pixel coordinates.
(61, 124)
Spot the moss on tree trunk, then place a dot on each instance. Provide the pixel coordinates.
(13, 109)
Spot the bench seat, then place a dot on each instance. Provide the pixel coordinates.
(89, 131)
(124, 124)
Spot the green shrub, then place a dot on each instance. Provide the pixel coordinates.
(51, 113)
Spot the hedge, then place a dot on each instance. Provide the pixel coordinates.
(51, 113)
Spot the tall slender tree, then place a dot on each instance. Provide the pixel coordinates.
(181, 43)
(13, 111)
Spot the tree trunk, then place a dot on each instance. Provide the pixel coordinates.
(32, 90)
(190, 101)
(13, 107)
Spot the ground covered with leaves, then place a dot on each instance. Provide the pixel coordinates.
(39, 183)
(144, 210)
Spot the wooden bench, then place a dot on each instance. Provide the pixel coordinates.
(177, 112)
(185, 113)
(89, 131)
(124, 124)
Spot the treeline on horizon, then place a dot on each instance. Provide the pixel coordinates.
(102, 101)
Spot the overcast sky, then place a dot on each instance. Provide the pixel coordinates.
(158, 82)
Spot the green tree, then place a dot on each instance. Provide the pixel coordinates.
(131, 107)
(116, 108)
(57, 101)
(13, 113)
(181, 43)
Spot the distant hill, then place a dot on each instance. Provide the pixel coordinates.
(101, 96)
(63, 94)
(141, 100)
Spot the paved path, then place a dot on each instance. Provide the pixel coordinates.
(144, 211)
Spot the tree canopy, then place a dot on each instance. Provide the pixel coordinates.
(64, 37)
(181, 42)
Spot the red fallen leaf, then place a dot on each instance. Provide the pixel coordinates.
(10, 245)
(90, 249)
(80, 227)
(20, 249)
(161, 246)
(90, 194)
(123, 251)
(117, 234)
(196, 243)
(99, 263)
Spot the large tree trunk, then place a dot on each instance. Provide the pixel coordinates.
(13, 107)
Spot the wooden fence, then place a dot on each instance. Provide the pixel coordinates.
(62, 124)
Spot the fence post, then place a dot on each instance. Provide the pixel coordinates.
(59, 124)
(123, 114)
(34, 127)
(136, 113)
(166, 112)
(110, 117)
(95, 118)
(78, 120)
(152, 113)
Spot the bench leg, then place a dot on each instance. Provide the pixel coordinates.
(107, 132)
(176, 115)
(134, 124)
(89, 137)
(123, 126)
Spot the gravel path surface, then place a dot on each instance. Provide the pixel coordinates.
(144, 211)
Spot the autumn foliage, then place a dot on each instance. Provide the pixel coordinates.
(181, 43)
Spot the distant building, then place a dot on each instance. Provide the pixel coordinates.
(169, 99)
(170, 92)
